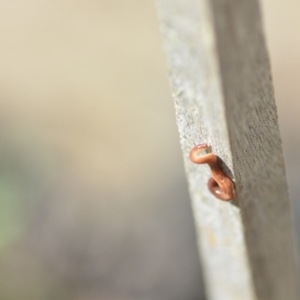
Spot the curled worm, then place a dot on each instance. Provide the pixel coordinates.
(220, 185)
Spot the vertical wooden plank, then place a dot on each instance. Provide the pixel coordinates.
(222, 88)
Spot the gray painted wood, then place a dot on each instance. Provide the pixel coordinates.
(222, 88)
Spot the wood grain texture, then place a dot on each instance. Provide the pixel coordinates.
(222, 88)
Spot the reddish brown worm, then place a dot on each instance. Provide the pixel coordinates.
(220, 185)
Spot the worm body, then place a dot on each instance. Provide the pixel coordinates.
(220, 185)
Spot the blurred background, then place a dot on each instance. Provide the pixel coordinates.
(93, 198)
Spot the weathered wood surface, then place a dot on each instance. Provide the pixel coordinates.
(221, 83)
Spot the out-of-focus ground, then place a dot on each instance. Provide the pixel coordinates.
(283, 37)
(93, 198)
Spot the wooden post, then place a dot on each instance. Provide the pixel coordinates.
(222, 88)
